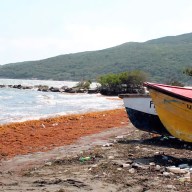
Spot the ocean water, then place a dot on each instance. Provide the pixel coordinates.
(40, 82)
(20, 105)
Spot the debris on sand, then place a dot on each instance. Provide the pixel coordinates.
(133, 163)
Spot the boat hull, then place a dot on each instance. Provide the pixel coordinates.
(174, 113)
(141, 112)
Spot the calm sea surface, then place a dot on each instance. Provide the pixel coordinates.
(20, 105)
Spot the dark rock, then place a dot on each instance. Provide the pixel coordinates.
(54, 89)
(92, 91)
(70, 90)
(27, 87)
(44, 88)
(64, 88)
(17, 86)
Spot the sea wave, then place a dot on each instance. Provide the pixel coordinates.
(20, 105)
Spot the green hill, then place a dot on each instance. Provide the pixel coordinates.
(163, 59)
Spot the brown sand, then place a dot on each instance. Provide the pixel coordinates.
(45, 134)
(121, 164)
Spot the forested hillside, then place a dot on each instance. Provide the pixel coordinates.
(163, 59)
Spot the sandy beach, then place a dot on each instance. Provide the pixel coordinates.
(99, 151)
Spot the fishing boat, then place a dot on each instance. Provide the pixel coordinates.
(174, 108)
(141, 112)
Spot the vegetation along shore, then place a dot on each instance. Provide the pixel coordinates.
(98, 151)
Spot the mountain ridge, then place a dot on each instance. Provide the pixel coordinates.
(161, 58)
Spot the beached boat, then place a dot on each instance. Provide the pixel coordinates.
(174, 108)
(142, 114)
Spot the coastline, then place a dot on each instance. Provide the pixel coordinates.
(121, 157)
(45, 134)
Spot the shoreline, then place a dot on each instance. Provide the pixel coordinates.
(45, 134)
(121, 157)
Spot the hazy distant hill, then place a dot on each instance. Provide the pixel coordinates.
(164, 59)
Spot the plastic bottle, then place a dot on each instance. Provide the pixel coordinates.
(82, 159)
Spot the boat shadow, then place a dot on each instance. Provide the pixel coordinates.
(168, 142)
(163, 160)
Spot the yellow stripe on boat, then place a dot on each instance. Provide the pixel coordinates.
(175, 114)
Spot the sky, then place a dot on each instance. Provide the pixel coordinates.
(39, 29)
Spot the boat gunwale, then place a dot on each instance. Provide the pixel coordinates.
(169, 93)
(133, 95)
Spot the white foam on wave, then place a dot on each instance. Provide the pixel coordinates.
(27, 82)
(22, 105)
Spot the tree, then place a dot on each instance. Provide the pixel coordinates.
(109, 84)
(126, 82)
(188, 71)
(133, 78)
